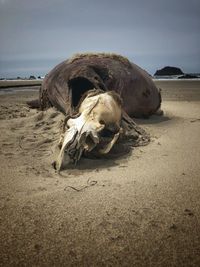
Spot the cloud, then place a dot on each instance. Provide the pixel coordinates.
(3, 1)
(150, 32)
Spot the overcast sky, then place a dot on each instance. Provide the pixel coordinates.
(35, 35)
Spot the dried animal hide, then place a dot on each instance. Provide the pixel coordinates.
(67, 82)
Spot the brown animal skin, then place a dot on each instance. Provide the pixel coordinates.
(68, 81)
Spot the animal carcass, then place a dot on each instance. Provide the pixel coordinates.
(68, 88)
(64, 85)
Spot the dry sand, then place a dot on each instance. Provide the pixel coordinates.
(139, 210)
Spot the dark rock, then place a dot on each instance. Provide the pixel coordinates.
(188, 76)
(32, 77)
(168, 71)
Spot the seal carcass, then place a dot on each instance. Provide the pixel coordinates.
(68, 81)
(98, 93)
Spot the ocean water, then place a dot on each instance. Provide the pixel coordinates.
(175, 77)
(12, 90)
(11, 69)
(24, 68)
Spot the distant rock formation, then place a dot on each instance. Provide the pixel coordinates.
(32, 77)
(168, 71)
(188, 76)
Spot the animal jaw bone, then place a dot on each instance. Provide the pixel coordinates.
(98, 111)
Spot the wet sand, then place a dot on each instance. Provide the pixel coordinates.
(142, 209)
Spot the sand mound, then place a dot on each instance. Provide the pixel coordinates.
(30, 134)
(34, 135)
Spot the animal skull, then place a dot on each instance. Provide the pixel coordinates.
(99, 114)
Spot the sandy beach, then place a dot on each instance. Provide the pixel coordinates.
(142, 209)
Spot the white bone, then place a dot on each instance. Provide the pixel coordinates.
(83, 132)
(109, 146)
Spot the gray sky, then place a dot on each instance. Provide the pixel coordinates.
(36, 35)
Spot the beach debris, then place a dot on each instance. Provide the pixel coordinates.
(89, 184)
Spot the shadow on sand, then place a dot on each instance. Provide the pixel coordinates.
(154, 119)
(91, 163)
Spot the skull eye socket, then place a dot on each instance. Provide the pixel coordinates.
(106, 133)
(109, 130)
(102, 122)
